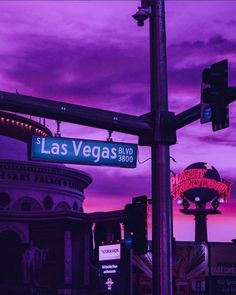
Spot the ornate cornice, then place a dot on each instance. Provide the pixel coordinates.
(43, 174)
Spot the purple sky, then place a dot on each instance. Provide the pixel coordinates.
(93, 53)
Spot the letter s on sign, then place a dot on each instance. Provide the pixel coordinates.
(114, 153)
(38, 140)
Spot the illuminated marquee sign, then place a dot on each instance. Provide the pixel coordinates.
(194, 178)
(109, 252)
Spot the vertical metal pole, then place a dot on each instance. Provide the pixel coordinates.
(209, 291)
(161, 201)
(200, 227)
(130, 272)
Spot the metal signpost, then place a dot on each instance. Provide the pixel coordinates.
(161, 200)
(80, 151)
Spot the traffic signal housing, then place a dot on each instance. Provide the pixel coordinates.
(214, 100)
(136, 224)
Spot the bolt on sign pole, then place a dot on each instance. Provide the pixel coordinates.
(161, 201)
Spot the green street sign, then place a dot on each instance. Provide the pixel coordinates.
(85, 152)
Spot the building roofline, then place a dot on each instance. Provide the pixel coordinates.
(21, 128)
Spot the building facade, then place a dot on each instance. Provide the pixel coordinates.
(48, 244)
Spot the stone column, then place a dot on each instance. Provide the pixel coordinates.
(68, 257)
(87, 254)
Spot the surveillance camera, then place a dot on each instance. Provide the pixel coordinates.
(141, 15)
(140, 23)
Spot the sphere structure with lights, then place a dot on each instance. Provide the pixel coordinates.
(203, 193)
(199, 184)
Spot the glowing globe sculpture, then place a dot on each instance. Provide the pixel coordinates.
(206, 176)
(199, 183)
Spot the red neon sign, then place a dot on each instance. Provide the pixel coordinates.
(194, 178)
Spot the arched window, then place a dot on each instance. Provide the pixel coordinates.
(25, 206)
(48, 203)
(4, 199)
(62, 206)
(75, 206)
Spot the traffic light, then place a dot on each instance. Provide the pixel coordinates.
(136, 224)
(214, 100)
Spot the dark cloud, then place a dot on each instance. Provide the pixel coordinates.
(216, 44)
(231, 22)
(187, 78)
(187, 59)
(226, 140)
(129, 185)
(115, 190)
(68, 69)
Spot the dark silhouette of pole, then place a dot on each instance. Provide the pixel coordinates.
(200, 213)
(161, 200)
(201, 228)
